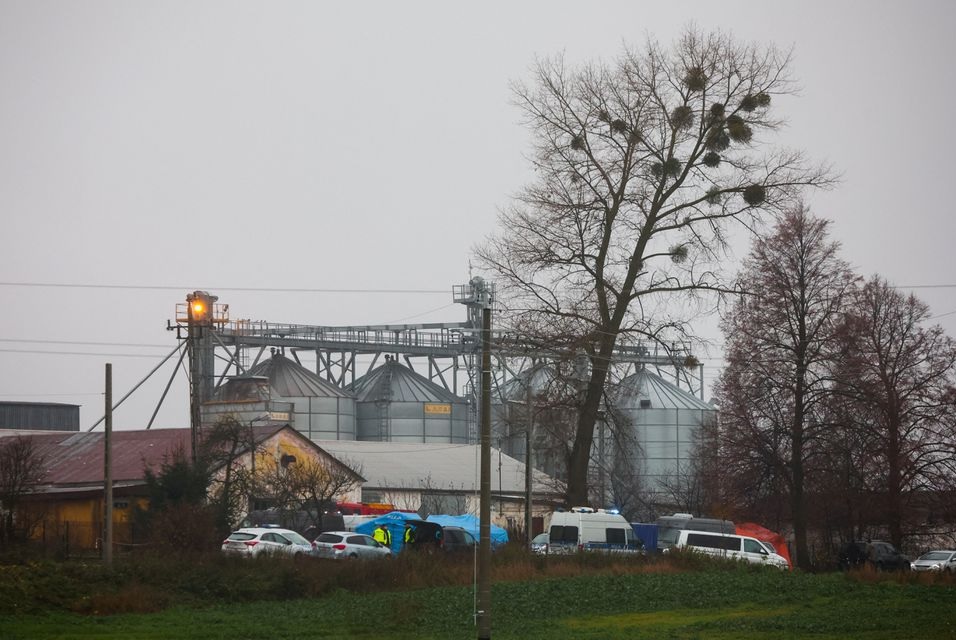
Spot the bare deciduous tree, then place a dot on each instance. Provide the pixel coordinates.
(21, 470)
(321, 484)
(780, 340)
(898, 374)
(302, 489)
(640, 166)
(696, 487)
(224, 447)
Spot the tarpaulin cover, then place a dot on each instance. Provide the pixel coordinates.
(471, 524)
(648, 535)
(765, 535)
(395, 521)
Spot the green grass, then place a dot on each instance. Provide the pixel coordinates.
(610, 600)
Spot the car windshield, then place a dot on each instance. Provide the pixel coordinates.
(936, 555)
(541, 538)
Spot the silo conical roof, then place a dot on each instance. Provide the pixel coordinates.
(395, 382)
(662, 394)
(289, 379)
(540, 380)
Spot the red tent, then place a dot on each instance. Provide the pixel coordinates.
(765, 535)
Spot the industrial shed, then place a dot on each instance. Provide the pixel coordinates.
(443, 478)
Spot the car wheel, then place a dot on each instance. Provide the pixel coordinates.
(353, 556)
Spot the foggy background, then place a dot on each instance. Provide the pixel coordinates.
(335, 164)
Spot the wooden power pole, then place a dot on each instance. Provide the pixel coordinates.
(108, 471)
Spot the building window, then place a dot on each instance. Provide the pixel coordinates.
(369, 495)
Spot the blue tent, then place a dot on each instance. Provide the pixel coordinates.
(470, 524)
(395, 521)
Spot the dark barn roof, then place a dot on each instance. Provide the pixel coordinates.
(76, 459)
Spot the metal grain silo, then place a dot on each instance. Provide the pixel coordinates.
(664, 420)
(320, 410)
(541, 398)
(395, 404)
(247, 399)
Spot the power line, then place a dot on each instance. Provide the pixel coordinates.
(81, 353)
(925, 286)
(93, 344)
(65, 285)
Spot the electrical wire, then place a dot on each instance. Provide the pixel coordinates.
(94, 344)
(80, 353)
(68, 285)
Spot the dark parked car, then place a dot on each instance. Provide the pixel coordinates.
(882, 556)
(457, 539)
(431, 537)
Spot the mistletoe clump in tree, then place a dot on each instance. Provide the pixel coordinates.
(640, 165)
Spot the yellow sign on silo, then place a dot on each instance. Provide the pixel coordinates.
(437, 409)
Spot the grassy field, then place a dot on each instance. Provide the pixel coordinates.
(532, 598)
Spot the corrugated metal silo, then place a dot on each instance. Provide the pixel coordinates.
(321, 411)
(534, 387)
(247, 399)
(665, 420)
(395, 404)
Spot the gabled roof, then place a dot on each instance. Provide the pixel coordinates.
(439, 467)
(77, 458)
(395, 382)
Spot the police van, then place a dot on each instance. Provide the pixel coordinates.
(587, 529)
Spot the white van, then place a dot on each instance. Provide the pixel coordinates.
(731, 546)
(587, 529)
(669, 526)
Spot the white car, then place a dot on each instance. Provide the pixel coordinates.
(935, 561)
(539, 543)
(348, 544)
(254, 541)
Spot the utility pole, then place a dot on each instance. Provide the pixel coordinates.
(478, 296)
(528, 459)
(108, 471)
(484, 516)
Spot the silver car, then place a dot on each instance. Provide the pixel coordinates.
(255, 541)
(348, 544)
(935, 561)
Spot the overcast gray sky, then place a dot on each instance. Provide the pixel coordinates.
(173, 146)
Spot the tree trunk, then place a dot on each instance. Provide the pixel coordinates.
(584, 437)
(798, 505)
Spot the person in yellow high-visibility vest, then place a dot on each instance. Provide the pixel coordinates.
(383, 535)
